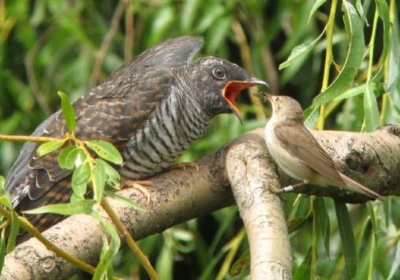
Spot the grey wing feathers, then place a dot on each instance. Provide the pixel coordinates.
(297, 140)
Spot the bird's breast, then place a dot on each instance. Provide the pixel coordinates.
(291, 165)
(169, 131)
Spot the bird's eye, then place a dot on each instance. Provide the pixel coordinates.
(219, 73)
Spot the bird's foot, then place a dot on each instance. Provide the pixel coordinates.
(184, 165)
(139, 185)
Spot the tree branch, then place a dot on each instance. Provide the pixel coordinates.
(180, 195)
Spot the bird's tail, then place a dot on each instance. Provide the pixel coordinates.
(357, 187)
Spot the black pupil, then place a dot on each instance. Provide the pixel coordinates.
(219, 72)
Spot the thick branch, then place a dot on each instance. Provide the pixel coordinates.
(180, 195)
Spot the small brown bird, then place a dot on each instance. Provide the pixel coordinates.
(297, 152)
(151, 109)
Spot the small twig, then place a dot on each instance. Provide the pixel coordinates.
(49, 245)
(24, 138)
(107, 42)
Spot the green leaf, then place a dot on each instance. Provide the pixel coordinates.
(315, 7)
(83, 206)
(112, 175)
(80, 179)
(323, 224)
(371, 111)
(67, 157)
(99, 180)
(2, 183)
(68, 111)
(2, 248)
(124, 200)
(351, 93)
(384, 14)
(14, 231)
(105, 150)
(304, 270)
(347, 237)
(354, 57)
(108, 252)
(49, 147)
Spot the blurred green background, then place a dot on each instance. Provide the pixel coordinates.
(73, 45)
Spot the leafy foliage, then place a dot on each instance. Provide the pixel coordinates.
(50, 45)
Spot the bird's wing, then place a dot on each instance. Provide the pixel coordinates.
(113, 111)
(299, 142)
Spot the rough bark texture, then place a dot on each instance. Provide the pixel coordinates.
(180, 195)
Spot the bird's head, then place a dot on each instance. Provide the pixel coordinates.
(220, 82)
(284, 107)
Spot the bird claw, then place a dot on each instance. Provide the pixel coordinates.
(138, 185)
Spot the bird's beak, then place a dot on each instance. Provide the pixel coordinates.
(232, 90)
(266, 96)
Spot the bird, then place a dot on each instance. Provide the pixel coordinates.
(151, 109)
(297, 152)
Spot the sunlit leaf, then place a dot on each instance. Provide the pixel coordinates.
(351, 93)
(98, 177)
(49, 147)
(84, 206)
(2, 248)
(347, 237)
(80, 179)
(68, 111)
(354, 57)
(315, 7)
(67, 157)
(105, 150)
(112, 175)
(2, 182)
(109, 251)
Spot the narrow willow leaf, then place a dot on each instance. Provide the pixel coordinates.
(105, 150)
(315, 7)
(395, 261)
(49, 147)
(2, 183)
(371, 111)
(304, 270)
(383, 12)
(84, 206)
(108, 253)
(112, 175)
(14, 231)
(347, 237)
(351, 93)
(360, 11)
(98, 177)
(324, 229)
(311, 117)
(4, 200)
(124, 200)
(68, 111)
(80, 179)
(67, 157)
(354, 57)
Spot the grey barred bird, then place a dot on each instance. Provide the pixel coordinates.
(297, 152)
(150, 109)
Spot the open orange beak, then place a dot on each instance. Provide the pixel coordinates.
(232, 90)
